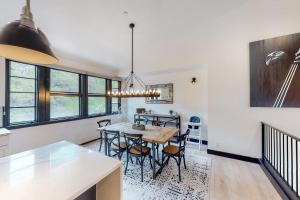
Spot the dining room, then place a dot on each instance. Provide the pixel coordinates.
(149, 100)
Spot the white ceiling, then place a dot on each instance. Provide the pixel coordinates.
(168, 33)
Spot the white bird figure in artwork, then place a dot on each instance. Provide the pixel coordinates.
(275, 55)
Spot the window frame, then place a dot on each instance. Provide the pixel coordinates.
(96, 95)
(8, 92)
(43, 93)
(65, 94)
(119, 99)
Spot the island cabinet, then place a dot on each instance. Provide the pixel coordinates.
(60, 171)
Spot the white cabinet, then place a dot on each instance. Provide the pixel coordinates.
(3, 151)
(4, 142)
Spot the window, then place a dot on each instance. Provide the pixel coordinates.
(37, 95)
(21, 93)
(115, 101)
(64, 94)
(96, 96)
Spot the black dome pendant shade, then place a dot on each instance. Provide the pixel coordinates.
(22, 41)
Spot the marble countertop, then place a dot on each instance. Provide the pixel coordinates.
(57, 171)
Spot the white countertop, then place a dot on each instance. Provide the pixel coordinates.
(4, 131)
(57, 171)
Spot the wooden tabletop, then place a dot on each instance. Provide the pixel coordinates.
(153, 134)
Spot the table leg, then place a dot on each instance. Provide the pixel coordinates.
(153, 160)
(105, 146)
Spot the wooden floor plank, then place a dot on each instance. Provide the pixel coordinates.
(235, 180)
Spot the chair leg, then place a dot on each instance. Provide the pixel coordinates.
(184, 161)
(108, 151)
(142, 170)
(157, 147)
(150, 160)
(162, 158)
(120, 154)
(100, 144)
(131, 160)
(101, 141)
(179, 173)
(168, 160)
(127, 160)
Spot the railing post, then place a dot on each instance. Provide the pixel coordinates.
(263, 141)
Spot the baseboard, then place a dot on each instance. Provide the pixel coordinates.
(89, 141)
(204, 142)
(233, 156)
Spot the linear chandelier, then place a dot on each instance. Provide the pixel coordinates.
(22, 41)
(132, 85)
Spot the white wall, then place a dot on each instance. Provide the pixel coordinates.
(189, 99)
(78, 131)
(234, 127)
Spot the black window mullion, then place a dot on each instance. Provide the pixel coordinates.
(22, 107)
(47, 94)
(23, 77)
(119, 99)
(42, 80)
(108, 98)
(6, 111)
(84, 95)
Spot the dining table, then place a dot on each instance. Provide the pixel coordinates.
(155, 135)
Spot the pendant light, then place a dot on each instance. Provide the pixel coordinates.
(22, 41)
(133, 86)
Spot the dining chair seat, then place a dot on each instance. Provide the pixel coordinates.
(171, 149)
(116, 146)
(136, 150)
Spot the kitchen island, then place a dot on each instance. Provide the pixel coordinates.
(60, 171)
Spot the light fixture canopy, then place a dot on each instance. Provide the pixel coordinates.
(22, 41)
(194, 80)
(134, 86)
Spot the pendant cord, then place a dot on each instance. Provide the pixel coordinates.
(132, 49)
(28, 5)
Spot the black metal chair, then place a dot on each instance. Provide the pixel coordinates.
(176, 152)
(101, 124)
(114, 144)
(135, 148)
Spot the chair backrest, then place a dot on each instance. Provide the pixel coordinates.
(140, 110)
(104, 122)
(112, 137)
(133, 140)
(183, 139)
(195, 119)
(156, 123)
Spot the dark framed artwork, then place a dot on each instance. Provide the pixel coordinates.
(166, 94)
(274, 72)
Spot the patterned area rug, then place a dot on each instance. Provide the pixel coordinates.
(193, 186)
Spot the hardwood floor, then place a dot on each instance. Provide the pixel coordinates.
(238, 180)
(235, 180)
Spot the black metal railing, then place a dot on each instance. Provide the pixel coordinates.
(280, 155)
